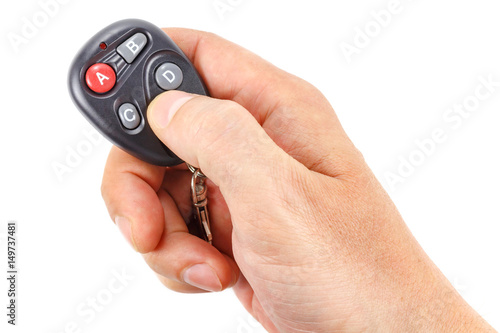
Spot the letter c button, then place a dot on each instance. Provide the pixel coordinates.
(129, 116)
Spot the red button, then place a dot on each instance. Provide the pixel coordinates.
(100, 78)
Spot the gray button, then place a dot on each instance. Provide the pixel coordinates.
(129, 116)
(169, 76)
(131, 48)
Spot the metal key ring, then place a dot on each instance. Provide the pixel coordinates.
(193, 170)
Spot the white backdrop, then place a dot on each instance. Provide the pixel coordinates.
(396, 83)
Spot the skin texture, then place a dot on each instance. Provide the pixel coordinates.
(303, 232)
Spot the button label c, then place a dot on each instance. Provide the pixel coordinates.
(127, 116)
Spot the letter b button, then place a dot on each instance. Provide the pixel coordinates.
(131, 48)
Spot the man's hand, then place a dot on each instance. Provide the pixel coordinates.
(303, 231)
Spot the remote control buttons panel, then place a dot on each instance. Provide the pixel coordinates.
(115, 76)
(101, 77)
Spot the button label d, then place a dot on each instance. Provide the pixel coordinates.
(169, 75)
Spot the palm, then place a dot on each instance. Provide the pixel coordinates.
(283, 105)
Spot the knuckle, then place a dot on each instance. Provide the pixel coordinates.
(154, 261)
(216, 122)
(218, 128)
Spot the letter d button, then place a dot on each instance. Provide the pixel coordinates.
(169, 76)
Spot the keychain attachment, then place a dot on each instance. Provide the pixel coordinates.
(200, 200)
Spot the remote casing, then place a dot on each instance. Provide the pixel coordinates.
(120, 112)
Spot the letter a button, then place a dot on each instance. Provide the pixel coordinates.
(100, 78)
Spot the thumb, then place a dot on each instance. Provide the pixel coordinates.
(221, 138)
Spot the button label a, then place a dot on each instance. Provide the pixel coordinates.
(101, 78)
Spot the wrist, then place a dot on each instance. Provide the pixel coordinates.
(422, 302)
(395, 287)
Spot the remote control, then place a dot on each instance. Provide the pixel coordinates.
(115, 76)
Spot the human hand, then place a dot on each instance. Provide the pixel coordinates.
(303, 231)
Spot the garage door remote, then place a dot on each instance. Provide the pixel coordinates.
(115, 76)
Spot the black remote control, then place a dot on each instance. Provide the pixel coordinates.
(115, 76)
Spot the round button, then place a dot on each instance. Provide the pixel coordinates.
(100, 78)
(129, 116)
(169, 76)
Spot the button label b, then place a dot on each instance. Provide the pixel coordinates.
(133, 47)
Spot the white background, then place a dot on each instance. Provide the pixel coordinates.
(393, 92)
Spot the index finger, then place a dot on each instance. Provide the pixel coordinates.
(232, 72)
(283, 104)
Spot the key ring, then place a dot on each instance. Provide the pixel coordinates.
(199, 200)
(198, 189)
(193, 170)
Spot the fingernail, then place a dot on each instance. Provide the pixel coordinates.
(164, 107)
(202, 276)
(126, 229)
